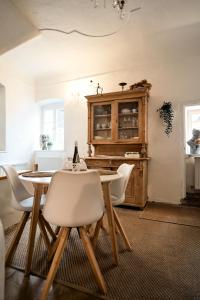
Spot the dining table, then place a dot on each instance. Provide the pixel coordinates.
(40, 183)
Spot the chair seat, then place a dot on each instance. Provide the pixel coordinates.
(27, 204)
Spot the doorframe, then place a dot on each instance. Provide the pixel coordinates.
(183, 141)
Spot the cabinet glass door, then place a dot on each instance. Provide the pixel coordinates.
(102, 126)
(128, 120)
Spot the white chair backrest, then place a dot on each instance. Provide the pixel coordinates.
(74, 199)
(19, 191)
(118, 187)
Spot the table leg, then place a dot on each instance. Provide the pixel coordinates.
(33, 227)
(111, 221)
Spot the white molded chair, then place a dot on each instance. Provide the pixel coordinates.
(22, 200)
(74, 199)
(118, 187)
(117, 190)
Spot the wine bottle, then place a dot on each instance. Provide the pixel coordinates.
(76, 158)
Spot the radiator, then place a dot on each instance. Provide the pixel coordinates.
(197, 173)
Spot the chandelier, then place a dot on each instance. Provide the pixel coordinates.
(117, 4)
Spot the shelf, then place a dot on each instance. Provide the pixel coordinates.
(128, 138)
(124, 128)
(101, 129)
(102, 138)
(128, 114)
(102, 116)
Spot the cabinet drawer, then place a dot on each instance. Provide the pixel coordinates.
(98, 163)
(117, 163)
(111, 163)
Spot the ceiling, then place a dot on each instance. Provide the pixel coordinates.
(161, 29)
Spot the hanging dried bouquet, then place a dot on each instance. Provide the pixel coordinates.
(166, 113)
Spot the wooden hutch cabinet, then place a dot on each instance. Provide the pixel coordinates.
(117, 125)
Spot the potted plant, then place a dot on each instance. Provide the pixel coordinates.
(49, 145)
(166, 113)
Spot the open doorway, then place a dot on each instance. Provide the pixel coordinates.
(192, 154)
(192, 129)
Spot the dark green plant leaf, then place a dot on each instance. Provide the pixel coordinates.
(166, 113)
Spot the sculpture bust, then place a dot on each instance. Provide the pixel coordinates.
(194, 142)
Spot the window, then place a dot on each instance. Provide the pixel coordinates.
(192, 121)
(52, 124)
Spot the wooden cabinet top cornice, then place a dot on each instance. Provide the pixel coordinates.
(117, 158)
(128, 94)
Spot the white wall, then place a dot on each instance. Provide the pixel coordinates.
(20, 128)
(2, 118)
(20, 117)
(15, 27)
(174, 80)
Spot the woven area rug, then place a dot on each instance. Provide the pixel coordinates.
(159, 267)
(172, 214)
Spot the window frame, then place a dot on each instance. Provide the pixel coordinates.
(54, 107)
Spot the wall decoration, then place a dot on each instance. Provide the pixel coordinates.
(44, 139)
(122, 84)
(99, 89)
(194, 142)
(166, 113)
(141, 84)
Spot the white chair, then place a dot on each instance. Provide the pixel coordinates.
(117, 190)
(74, 199)
(22, 200)
(118, 187)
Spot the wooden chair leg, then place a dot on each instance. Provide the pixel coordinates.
(89, 230)
(111, 221)
(121, 230)
(55, 264)
(45, 190)
(44, 233)
(92, 259)
(96, 233)
(48, 227)
(87, 227)
(33, 228)
(54, 246)
(57, 230)
(12, 248)
(103, 226)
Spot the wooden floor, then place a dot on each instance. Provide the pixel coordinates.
(20, 288)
